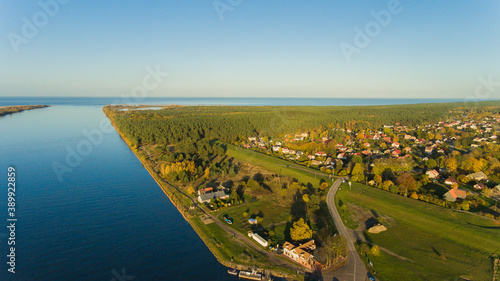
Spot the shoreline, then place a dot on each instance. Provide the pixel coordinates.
(181, 209)
(12, 109)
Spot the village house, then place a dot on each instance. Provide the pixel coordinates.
(450, 181)
(206, 194)
(454, 194)
(479, 176)
(433, 174)
(300, 254)
(328, 161)
(320, 153)
(315, 163)
(396, 153)
(479, 186)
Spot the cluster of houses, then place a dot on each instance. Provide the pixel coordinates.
(455, 193)
(400, 142)
(379, 143)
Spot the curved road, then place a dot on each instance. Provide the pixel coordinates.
(355, 269)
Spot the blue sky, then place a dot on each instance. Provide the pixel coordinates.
(430, 49)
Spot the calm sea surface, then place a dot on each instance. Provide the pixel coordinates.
(107, 216)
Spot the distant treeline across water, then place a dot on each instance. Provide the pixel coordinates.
(6, 101)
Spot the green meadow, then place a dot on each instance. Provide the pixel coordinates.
(441, 244)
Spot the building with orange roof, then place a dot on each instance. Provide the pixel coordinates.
(301, 254)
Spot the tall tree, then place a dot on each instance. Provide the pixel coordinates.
(406, 183)
(358, 173)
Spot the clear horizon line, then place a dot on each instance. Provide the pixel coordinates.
(245, 97)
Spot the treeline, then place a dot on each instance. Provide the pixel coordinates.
(14, 109)
(234, 123)
(187, 161)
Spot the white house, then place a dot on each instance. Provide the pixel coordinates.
(433, 174)
(479, 176)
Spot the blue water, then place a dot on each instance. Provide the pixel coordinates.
(86, 101)
(106, 214)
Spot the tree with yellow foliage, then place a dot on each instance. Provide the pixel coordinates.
(451, 163)
(300, 231)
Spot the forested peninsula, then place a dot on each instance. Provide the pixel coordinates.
(253, 180)
(6, 110)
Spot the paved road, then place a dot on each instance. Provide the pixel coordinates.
(355, 269)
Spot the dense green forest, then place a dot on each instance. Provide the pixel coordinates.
(188, 124)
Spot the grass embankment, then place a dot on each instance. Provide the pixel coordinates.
(279, 166)
(441, 244)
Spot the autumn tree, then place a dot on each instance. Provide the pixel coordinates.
(451, 164)
(300, 231)
(358, 173)
(406, 183)
(324, 186)
(386, 185)
(336, 247)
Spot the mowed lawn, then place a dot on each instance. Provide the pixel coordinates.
(277, 165)
(442, 244)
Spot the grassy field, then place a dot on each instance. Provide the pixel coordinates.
(441, 244)
(277, 165)
(275, 218)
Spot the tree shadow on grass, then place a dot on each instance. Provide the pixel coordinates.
(299, 207)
